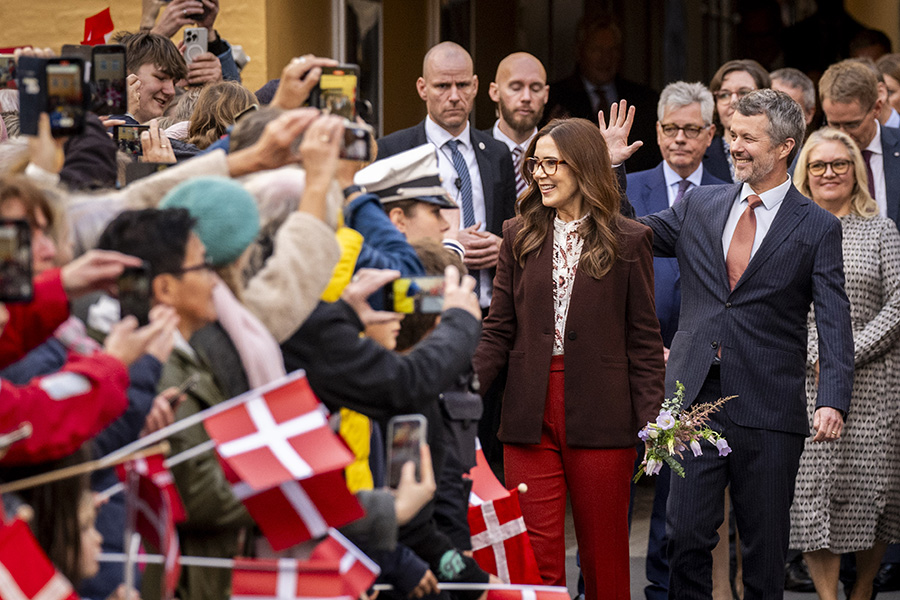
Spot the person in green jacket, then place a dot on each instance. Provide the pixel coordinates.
(181, 277)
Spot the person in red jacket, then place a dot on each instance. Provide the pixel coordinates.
(67, 408)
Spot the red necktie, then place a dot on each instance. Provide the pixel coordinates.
(738, 256)
(867, 156)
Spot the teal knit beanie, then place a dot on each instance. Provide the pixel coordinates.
(226, 214)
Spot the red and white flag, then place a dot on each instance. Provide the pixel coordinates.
(500, 543)
(25, 571)
(153, 466)
(546, 593)
(153, 521)
(286, 579)
(296, 511)
(485, 485)
(281, 435)
(97, 28)
(358, 571)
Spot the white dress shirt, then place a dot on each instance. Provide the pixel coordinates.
(439, 137)
(876, 163)
(673, 179)
(765, 214)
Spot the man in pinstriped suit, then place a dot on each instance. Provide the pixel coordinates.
(742, 331)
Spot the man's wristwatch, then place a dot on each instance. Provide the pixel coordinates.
(352, 189)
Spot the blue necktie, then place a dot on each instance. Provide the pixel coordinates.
(465, 195)
(683, 186)
(465, 183)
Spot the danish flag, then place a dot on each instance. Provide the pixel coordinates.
(154, 522)
(358, 571)
(281, 435)
(485, 485)
(546, 593)
(286, 579)
(25, 571)
(152, 466)
(500, 543)
(296, 511)
(97, 28)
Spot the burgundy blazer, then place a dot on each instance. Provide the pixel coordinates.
(615, 372)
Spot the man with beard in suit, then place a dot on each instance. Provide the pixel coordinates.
(684, 131)
(520, 91)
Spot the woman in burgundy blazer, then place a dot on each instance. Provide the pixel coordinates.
(573, 317)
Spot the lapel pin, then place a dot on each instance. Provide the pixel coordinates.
(896, 153)
(481, 145)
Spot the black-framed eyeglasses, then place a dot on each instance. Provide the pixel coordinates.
(690, 131)
(725, 95)
(839, 167)
(549, 165)
(206, 265)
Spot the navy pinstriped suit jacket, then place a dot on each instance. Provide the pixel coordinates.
(761, 324)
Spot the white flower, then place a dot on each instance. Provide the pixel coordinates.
(695, 448)
(665, 420)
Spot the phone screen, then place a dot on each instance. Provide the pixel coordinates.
(7, 71)
(128, 139)
(406, 434)
(109, 89)
(65, 98)
(357, 143)
(15, 261)
(337, 93)
(134, 293)
(415, 295)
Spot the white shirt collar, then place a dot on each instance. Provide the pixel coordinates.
(672, 177)
(875, 145)
(183, 345)
(560, 226)
(511, 143)
(439, 136)
(894, 119)
(770, 198)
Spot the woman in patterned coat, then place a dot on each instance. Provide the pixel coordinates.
(847, 496)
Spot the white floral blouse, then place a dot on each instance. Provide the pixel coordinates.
(566, 253)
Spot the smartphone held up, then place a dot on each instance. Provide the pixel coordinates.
(407, 295)
(405, 436)
(56, 86)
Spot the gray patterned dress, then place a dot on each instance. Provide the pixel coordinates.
(848, 492)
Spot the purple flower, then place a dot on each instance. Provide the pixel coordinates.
(695, 448)
(644, 434)
(653, 466)
(724, 448)
(665, 420)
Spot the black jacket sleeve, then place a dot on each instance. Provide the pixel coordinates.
(346, 370)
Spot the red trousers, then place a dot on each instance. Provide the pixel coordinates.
(599, 485)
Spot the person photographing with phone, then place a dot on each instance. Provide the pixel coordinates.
(346, 370)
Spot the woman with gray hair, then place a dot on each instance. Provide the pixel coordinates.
(847, 497)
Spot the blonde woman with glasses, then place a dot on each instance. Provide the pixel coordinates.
(847, 497)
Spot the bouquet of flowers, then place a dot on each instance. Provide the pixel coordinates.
(675, 431)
